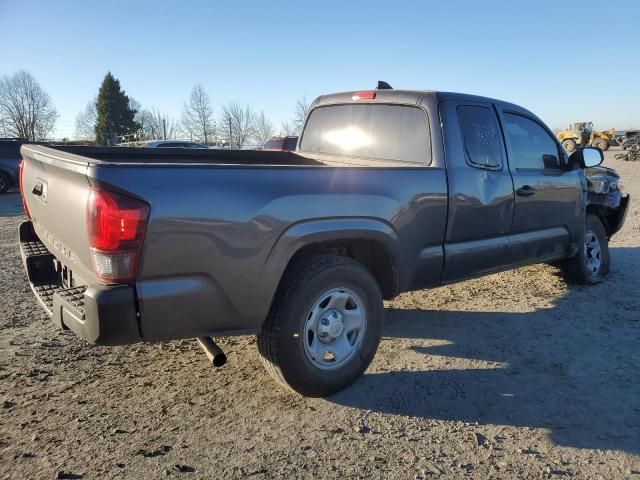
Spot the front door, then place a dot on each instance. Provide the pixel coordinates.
(548, 215)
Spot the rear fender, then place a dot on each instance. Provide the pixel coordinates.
(318, 231)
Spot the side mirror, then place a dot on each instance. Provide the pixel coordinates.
(586, 157)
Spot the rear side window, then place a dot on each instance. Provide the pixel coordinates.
(376, 131)
(480, 136)
(532, 147)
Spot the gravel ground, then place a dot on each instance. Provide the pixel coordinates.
(510, 376)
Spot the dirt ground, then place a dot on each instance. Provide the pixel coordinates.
(514, 375)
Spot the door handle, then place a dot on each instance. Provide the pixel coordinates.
(38, 189)
(525, 191)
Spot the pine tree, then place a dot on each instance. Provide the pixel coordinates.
(115, 114)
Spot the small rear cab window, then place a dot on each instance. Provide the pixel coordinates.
(376, 131)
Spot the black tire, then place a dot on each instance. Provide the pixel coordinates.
(576, 269)
(5, 182)
(601, 144)
(280, 343)
(569, 145)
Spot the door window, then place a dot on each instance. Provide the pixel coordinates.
(532, 147)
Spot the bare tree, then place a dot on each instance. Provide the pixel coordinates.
(156, 125)
(300, 114)
(197, 116)
(287, 129)
(263, 129)
(237, 123)
(26, 110)
(86, 122)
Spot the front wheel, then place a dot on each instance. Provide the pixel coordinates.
(324, 327)
(591, 264)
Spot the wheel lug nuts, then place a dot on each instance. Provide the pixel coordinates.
(325, 322)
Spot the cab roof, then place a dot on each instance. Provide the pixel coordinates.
(418, 97)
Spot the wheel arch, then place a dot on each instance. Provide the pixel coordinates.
(372, 242)
(611, 218)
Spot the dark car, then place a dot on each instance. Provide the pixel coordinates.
(10, 159)
(389, 191)
(281, 144)
(172, 144)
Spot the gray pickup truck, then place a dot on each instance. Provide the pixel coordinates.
(388, 191)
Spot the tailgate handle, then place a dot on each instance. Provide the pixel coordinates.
(38, 189)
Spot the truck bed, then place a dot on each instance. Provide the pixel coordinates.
(222, 227)
(128, 155)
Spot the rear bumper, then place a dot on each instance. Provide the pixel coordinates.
(99, 314)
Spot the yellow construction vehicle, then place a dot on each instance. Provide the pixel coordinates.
(582, 134)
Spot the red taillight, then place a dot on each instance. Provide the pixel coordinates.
(363, 96)
(116, 226)
(24, 202)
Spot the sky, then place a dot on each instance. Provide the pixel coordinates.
(565, 64)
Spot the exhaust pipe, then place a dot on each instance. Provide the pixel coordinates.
(215, 355)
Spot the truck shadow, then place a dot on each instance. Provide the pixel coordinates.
(573, 369)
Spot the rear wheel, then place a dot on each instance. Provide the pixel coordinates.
(5, 182)
(324, 327)
(591, 264)
(569, 145)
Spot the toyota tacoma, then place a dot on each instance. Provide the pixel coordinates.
(388, 191)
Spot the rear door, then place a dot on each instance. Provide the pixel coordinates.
(548, 215)
(480, 190)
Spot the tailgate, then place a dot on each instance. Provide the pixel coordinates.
(55, 189)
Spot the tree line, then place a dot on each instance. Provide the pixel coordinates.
(111, 117)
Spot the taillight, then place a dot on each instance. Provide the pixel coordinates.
(363, 96)
(24, 202)
(116, 225)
